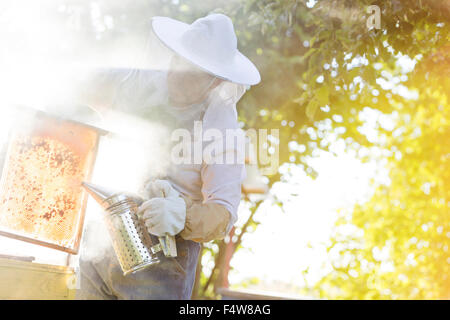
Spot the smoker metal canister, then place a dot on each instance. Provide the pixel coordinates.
(131, 242)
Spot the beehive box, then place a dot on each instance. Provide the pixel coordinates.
(41, 198)
(33, 281)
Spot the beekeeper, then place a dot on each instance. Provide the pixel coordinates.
(204, 78)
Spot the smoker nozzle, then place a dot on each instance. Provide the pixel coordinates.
(107, 197)
(100, 194)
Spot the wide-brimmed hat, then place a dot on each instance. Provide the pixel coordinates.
(210, 43)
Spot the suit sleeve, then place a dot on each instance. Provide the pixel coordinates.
(221, 179)
(126, 90)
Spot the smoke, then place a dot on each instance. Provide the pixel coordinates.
(96, 244)
(133, 152)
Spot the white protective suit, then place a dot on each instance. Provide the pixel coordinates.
(212, 191)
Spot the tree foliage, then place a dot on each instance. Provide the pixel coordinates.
(323, 65)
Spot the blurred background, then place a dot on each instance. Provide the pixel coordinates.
(359, 207)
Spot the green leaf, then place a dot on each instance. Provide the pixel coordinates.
(311, 109)
(323, 95)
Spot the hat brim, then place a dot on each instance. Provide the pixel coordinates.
(241, 70)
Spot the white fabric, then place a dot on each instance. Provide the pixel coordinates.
(137, 89)
(160, 189)
(165, 212)
(209, 43)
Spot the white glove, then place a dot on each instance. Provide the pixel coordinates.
(160, 189)
(165, 213)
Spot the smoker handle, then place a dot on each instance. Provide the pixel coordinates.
(167, 242)
(168, 246)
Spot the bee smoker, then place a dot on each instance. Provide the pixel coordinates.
(130, 239)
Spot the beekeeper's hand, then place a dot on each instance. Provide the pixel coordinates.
(160, 189)
(165, 212)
